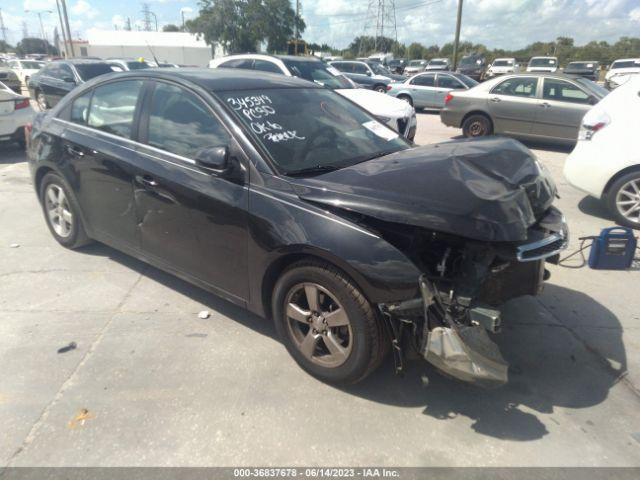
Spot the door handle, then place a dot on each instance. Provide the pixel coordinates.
(545, 105)
(75, 151)
(146, 180)
(495, 99)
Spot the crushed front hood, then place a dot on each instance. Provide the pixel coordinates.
(489, 189)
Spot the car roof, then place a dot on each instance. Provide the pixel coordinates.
(294, 58)
(223, 79)
(79, 61)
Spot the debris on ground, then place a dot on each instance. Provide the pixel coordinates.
(68, 348)
(204, 314)
(80, 419)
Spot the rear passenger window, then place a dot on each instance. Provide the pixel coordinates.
(80, 109)
(237, 63)
(113, 107)
(180, 123)
(266, 66)
(517, 87)
(447, 81)
(427, 80)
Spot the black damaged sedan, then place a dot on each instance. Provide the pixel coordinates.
(285, 198)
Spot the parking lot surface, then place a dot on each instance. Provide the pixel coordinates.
(152, 384)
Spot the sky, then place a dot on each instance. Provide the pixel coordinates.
(495, 23)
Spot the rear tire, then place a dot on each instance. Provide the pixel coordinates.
(623, 200)
(477, 125)
(338, 337)
(61, 212)
(380, 88)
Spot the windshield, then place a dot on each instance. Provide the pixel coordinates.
(417, 63)
(137, 65)
(437, 63)
(503, 63)
(319, 73)
(311, 128)
(625, 64)
(581, 65)
(467, 61)
(379, 69)
(542, 62)
(90, 70)
(468, 81)
(593, 87)
(32, 65)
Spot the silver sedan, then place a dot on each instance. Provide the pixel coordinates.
(532, 106)
(428, 90)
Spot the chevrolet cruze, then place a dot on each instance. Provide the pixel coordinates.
(290, 200)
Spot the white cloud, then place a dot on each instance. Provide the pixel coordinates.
(635, 14)
(82, 8)
(39, 4)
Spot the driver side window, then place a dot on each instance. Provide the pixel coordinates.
(180, 123)
(423, 80)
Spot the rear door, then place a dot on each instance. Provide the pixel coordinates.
(444, 84)
(422, 87)
(560, 110)
(513, 105)
(189, 219)
(99, 142)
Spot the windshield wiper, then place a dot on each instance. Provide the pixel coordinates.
(317, 169)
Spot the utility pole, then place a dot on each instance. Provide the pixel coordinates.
(296, 34)
(66, 25)
(64, 33)
(25, 30)
(457, 39)
(39, 13)
(3, 28)
(146, 11)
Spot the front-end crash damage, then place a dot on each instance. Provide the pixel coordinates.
(476, 217)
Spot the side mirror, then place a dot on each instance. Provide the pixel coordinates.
(368, 73)
(213, 159)
(68, 80)
(593, 100)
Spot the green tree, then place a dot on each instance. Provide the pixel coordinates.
(35, 45)
(5, 47)
(170, 27)
(416, 50)
(242, 25)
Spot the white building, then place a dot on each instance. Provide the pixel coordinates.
(172, 47)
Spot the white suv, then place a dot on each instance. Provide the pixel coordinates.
(606, 160)
(543, 64)
(397, 114)
(620, 71)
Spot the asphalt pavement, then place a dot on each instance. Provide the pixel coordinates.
(149, 383)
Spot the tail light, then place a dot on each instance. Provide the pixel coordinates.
(592, 123)
(23, 103)
(448, 98)
(389, 87)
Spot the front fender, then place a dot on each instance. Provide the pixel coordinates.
(284, 227)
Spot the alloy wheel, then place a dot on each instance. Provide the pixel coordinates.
(628, 200)
(58, 210)
(319, 325)
(476, 129)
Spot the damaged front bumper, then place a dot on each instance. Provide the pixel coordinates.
(451, 331)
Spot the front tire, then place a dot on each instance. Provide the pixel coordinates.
(327, 324)
(477, 125)
(623, 200)
(380, 88)
(61, 212)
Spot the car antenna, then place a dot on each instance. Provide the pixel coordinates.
(152, 53)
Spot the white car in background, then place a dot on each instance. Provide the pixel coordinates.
(24, 68)
(396, 114)
(15, 113)
(606, 160)
(501, 66)
(620, 71)
(543, 64)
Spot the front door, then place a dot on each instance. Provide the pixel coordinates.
(512, 105)
(561, 109)
(188, 218)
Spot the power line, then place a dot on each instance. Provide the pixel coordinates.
(362, 16)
